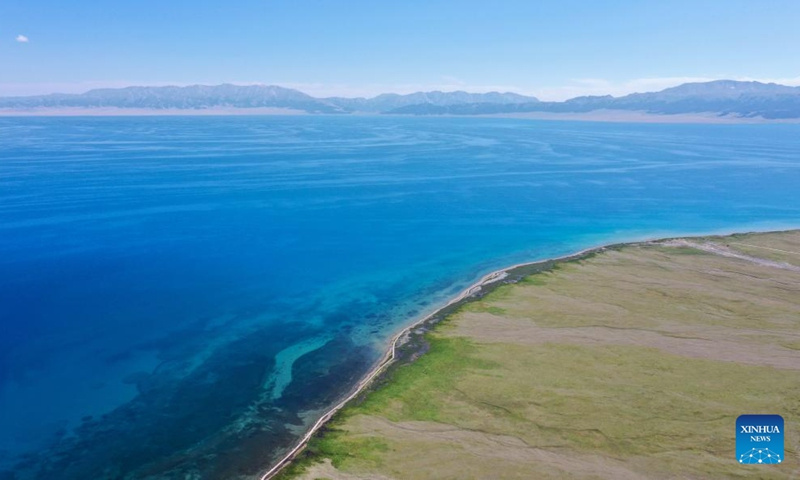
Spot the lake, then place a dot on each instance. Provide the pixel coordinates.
(181, 297)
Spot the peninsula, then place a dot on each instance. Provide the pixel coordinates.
(627, 361)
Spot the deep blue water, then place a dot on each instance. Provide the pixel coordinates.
(182, 295)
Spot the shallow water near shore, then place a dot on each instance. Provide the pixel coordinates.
(182, 296)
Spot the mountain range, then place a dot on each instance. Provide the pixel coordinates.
(721, 97)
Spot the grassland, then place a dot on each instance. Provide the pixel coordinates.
(632, 363)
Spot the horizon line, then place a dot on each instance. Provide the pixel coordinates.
(793, 82)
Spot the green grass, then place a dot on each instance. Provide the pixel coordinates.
(416, 391)
(409, 394)
(344, 451)
(495, 310)
(630, 405)
(537, 280)
(791, 345)
(624, 402)
(681, 251)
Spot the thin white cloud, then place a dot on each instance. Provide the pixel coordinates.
(22, 39)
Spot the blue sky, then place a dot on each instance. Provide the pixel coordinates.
(552, 49)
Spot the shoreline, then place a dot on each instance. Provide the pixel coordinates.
(391, 354)
(494, 279)
(593, 116)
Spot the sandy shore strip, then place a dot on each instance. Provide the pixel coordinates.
(400, 338)
(511, 274)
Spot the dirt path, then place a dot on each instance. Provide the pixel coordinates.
(718, 249)
(765, 248)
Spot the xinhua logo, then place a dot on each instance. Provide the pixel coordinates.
(759, 439)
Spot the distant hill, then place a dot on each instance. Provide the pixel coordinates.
(253, 96)
(391, 101)
(191, 97)
(722, 97)
(725, 97)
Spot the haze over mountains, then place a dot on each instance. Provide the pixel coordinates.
(723, 98)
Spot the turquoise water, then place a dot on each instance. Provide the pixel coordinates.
(181, 296)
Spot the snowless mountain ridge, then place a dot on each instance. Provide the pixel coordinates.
(721, 97)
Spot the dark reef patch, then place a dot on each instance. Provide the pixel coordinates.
(322, 376)
(214, 423)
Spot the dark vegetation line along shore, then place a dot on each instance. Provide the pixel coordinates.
(409, 345)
